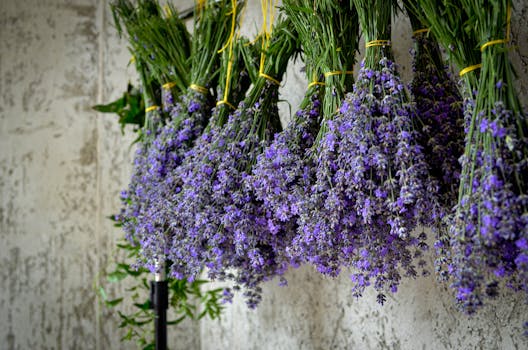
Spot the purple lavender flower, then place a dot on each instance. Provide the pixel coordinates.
(489, 227)
(439, 109)
(147, 204)
(216, 217)
(372, 187)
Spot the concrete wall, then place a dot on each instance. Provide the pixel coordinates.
(61, 169)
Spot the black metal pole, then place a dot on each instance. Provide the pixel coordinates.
(160, 303)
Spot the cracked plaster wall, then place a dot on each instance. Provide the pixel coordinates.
(61, 169)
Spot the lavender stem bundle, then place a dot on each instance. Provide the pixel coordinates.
(329, 36)
(217, 221)
(284, 172)
(440, 111)
(380, 187)
(490, 224)
(154, 181)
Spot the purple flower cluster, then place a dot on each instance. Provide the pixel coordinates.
(216, 220)
(490, 227)
(147, 209)
(282, 177)
(372, 187)
(283, 171)
(440, 111)
(439, 108)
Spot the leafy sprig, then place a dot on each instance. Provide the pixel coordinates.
(187, 300)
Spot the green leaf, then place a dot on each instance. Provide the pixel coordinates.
(112, 303)
(130, 108)
(144, 306)
(103, 293)
(112, 107)
(116, 276)
(176, 321)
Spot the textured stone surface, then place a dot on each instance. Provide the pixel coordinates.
(61, 169)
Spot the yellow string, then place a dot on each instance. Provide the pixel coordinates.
(267, 27)
(469, 69)
(420, 31)
(199, 89)
(229, 42)
(229, 45)
(378, 43)
(501, 41)
(200, 5)
(313, 83)
(151, 108)
(168, 11)
(493, 42)
(224, 102)
(169, 85)
(337, 72)
(270, 78)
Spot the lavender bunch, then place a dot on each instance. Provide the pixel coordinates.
(147, 211)
(440, 110)
(217, 223)
(490, 223)
(284, 173)
(130, 20)
(372, 178)
(439, 107)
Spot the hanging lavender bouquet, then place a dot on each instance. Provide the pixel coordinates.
(285, 172)
(451, 32)
(490, 224)
(439, 108)
(217, 222)
(371, 169)
(488, 228)
(147, 211)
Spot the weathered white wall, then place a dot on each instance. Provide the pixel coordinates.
(61, 169)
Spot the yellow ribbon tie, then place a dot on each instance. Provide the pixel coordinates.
(151, 108)
(224, 102)
(229, 42)
(200, 4)
(168, 11)
(169, 85)
(469, 69)
(199, 89)
(313, 83)
(338, 72)
(493, 42)
(270, 78)
(267, 27)
(420, 31)
(377, 43)
(229, 45)
(501, 41)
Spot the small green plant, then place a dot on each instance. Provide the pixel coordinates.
(130, 108)
(185, 298)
